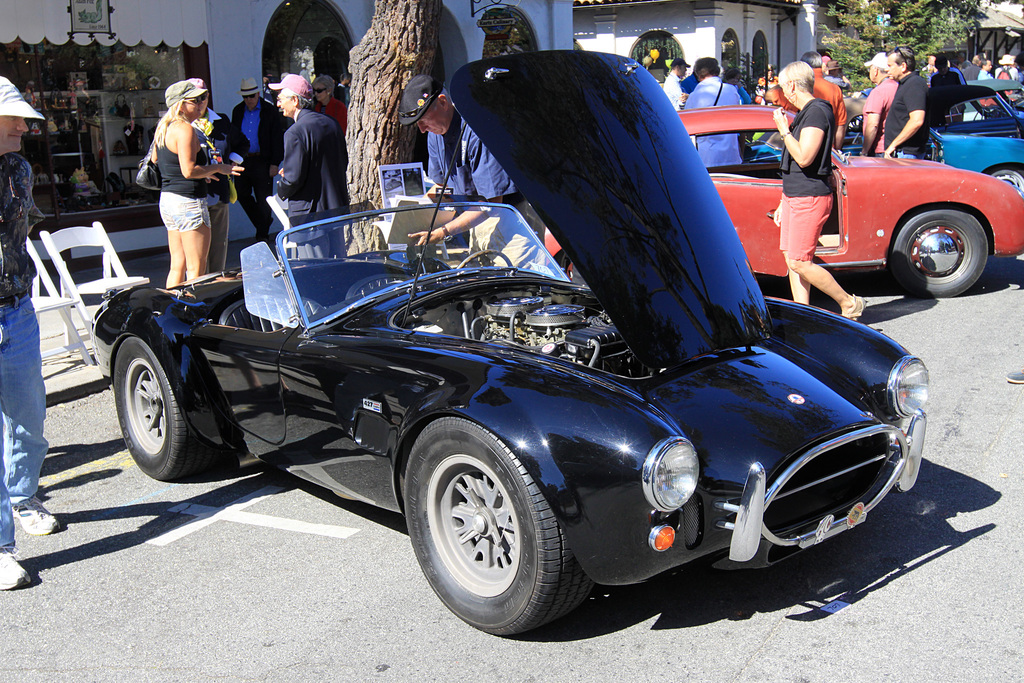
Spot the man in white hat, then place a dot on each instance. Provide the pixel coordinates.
(876, 106)
(260, 122)
(22, 393)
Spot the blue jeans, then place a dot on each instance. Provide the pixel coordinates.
(23, 404)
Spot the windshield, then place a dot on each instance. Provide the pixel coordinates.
(331, 271)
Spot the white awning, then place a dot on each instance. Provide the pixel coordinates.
(152, 22)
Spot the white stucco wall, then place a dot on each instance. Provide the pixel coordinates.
(698, 26)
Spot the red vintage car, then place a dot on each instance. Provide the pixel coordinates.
(931, 225)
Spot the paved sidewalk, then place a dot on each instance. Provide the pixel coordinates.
(67, 376)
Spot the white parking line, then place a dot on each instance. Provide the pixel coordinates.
(233, 512)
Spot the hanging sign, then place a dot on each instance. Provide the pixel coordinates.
(90, 16)
(496, 21)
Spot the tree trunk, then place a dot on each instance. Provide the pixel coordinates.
(401, 43)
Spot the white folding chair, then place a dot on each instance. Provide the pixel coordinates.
(280, 210)
(52, 301)
(114, 275)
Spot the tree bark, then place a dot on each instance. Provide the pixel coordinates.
(401, 43)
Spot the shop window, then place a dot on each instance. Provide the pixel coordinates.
(102, 105)
(518, 38)
(656, 50)
(306, 37)
(730, 50)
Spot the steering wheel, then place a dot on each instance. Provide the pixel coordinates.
(484, 252)
(369, 285)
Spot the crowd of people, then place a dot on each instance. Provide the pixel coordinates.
(291, 132)
(815, 90)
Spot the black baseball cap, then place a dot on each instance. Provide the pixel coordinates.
(417, 98)
(679, 61)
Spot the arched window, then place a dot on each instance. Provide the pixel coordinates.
(730, 50)
(520, 37)
(306, 37)
(656, 50)
(759, 57)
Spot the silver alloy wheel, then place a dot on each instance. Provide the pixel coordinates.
(1012, 176)
(146, 415)
(474, 524)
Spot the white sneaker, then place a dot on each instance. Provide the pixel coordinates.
(35, 519)
(12, 574)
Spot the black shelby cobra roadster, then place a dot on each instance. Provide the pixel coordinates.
(539, 435)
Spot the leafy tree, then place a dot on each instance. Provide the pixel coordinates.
(870, 26)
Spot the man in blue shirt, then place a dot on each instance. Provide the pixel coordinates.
(457, 155)
(260, 122)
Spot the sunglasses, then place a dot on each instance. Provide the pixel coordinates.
(201, 98)
(245, 97)
(319, 90)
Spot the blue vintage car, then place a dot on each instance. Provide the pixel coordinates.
(972, 127)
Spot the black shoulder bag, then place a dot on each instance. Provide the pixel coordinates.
(148, 177)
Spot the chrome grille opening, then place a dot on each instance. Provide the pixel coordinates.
(829, 483)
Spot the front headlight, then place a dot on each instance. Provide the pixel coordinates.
(670, 473)
(908, 386)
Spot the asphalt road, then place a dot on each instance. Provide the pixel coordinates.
(265, 577)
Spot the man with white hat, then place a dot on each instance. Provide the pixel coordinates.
(22, 393)
(876, 107)
(260, 122)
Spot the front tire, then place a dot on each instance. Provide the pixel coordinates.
(939, 253)
(151, 421)
(484, 536)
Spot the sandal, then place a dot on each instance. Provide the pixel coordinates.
(858, 308)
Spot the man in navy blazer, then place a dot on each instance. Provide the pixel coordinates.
(260, 122)
(312, 175)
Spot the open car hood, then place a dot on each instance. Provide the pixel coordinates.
(593, 143)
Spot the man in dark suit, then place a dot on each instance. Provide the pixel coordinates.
(261, 125)
(315, 157)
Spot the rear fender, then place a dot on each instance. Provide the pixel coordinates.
(164, 330)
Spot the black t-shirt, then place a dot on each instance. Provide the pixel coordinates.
(814, 180)
(910, 96)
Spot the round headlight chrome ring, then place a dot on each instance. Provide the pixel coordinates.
(907, 387)
(670, 473)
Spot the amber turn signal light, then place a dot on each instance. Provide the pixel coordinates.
(662, 537)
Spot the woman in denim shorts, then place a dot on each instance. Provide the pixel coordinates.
(184, 169)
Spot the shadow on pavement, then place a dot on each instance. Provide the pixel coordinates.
(907, 531)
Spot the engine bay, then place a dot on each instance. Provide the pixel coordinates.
(570, 325)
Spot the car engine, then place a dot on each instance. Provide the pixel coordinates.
(568, 326)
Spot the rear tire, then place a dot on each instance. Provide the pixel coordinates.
(1011, 174)
(151, 421)
(483, 533)
(939, 253)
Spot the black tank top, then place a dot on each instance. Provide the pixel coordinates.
(171, 179)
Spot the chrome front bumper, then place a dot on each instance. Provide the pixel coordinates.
(902, 464)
